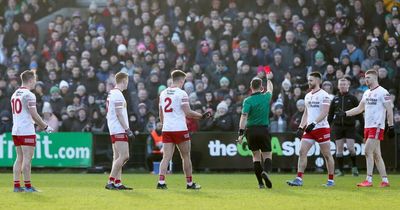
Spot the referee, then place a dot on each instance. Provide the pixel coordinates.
(254, 123)
(343, 128)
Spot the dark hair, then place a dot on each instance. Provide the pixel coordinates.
(27, 75)
(177, 75)
(256, 83)
(316, 74)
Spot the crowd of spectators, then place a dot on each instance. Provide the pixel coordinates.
(220, 44)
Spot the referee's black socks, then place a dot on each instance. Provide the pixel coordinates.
(268, 165)
(339, 158)
(257, 171)
(353, 160)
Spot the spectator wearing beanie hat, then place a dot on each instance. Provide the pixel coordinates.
(65, 92)
(320, 63)
(279, 119)
(296, 117)
(49, 117)
(224, 89)
(222, 121)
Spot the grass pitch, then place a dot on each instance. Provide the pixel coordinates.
(219, 191)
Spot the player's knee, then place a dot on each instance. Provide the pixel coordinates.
(303, 153)
(352, 151)
(19, 161)
(124, 157)
(377, 156)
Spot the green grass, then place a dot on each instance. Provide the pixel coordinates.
(220, 191)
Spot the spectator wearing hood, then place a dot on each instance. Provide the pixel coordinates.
(372, 57)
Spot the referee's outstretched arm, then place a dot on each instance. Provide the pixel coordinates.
(270, 86)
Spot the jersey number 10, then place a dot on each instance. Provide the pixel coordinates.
(16, 106)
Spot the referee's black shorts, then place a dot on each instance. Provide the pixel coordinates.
(343, 132)
(258, 138)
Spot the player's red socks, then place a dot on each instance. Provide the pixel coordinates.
(28, 184)
(330, 176)
(17, 184)
(161, 179)
(189, 180)
(117, 182)
(111, 180)
(300, 175)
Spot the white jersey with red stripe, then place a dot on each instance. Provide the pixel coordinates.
(116, 100)
(21, 101)
(314, 102)
(171, 101)
(375, 111)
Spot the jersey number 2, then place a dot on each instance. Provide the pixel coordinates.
(16, 106)
(167, 107)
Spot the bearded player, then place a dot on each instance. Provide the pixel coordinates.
(314, 127)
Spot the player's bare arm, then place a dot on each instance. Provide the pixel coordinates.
(389, 112)
(190, 113)
(161, 115)
(357, 110)
(118, 111)
(36, 117)
(270, 86)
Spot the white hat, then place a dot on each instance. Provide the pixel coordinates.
(222, 105)
(47, 108)
(121, 48)
(64, 83)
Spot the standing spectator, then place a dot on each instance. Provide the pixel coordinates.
(154, 146)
